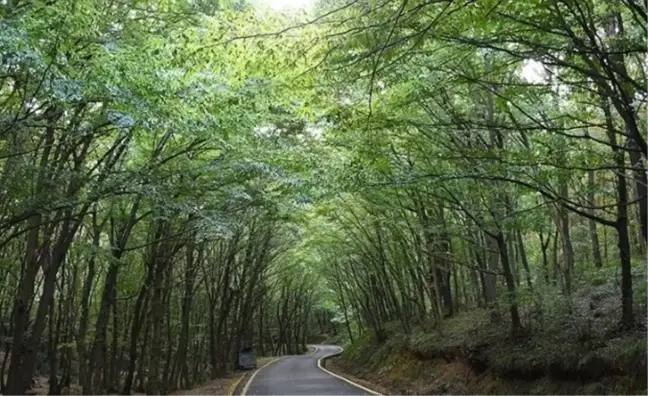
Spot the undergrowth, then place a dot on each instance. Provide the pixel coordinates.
(569, 345)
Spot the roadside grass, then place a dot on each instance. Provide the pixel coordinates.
(569, 346)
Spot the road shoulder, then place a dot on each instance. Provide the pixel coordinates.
(331, 365)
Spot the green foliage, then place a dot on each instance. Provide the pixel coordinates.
(178, 176)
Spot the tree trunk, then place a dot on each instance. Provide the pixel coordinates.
(187, 300)
(596, 251)
(157, 312)
(510, 283)
(139, 315)
(523, 258)
(85, 310)
(490, 279)
(101, 329)
(565, 239)
(627, 318)
(545, 259)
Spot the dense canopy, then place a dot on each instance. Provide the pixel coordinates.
(180, 179)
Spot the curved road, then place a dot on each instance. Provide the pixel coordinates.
(299, 375)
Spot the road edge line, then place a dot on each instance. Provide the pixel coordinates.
(319, 365)
(247, 385)
(315, 349)
(233, 387)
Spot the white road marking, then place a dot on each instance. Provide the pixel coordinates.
(315, 349)
(247, 385)
(319, 365)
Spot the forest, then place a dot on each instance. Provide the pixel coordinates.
(180, 179)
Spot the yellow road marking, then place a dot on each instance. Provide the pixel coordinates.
(247, 385)
(233, 387)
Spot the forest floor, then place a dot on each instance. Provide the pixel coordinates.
(219, 387)
(228, 384)
(225, 385)
(566, 348)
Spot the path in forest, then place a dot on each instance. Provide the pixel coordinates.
(301, 375)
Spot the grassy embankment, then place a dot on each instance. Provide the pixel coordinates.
(567, 347)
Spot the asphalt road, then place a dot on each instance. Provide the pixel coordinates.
(300, 375)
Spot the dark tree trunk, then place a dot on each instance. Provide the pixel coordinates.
(510, 283)
(545, 259)
(627, 318)
(139, 315)
(596, 250)
(523, 258)
(187, 300)
(99, 344)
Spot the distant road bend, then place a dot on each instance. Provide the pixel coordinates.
(301, 375)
